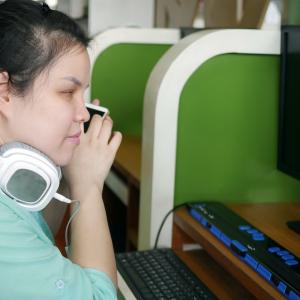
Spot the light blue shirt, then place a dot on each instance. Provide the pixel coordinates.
(32, 267)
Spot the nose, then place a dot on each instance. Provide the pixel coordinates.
(82, 114)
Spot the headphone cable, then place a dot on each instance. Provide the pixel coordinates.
(74, 213)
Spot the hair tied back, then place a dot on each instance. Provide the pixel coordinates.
(45, 9)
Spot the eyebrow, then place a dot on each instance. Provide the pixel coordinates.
(75, 81)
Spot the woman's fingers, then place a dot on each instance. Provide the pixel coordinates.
(95, 127)
(101, 129)
(106, 129)
(96, 102)
(115, 141)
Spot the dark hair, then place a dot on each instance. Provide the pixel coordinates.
(32, 37)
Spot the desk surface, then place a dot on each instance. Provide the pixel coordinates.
(128, 158)
(269, 218)
(219, 281)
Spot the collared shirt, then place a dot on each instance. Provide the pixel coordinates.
(32, 267)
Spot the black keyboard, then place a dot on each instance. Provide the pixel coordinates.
(269, 259)
(160, 274)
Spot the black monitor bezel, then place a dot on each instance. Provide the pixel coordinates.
(281, 165)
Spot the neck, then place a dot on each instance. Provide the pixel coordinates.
(1, 141)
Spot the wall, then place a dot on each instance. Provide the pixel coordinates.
(105, 14)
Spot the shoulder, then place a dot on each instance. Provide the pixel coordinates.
(37, 266)
(20, 234)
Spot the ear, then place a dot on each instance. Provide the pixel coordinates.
(4, 81)
(4, 95)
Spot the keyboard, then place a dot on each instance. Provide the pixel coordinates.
(160, 274)
(278, 266)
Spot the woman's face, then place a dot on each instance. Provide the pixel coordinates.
(50, 116)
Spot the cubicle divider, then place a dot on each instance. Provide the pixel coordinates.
(210, 127)
(122, 60)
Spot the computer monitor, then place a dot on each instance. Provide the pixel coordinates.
(289, 107)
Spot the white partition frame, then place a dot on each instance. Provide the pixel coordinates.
(160, 115)
(102, 42)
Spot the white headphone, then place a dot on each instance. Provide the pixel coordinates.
(28, 176)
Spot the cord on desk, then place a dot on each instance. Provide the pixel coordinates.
(187, 204)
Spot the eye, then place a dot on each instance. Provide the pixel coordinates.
(68, 92)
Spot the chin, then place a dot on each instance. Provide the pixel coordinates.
(61, 156)
(62, 160)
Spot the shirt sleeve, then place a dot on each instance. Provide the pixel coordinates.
(32, 268)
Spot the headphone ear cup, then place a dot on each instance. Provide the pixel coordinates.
(28, 176)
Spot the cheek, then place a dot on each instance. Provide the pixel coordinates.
(51, 140)
(59, 123)
(52, 125)
(45, 131)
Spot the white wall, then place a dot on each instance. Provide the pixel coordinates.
(73, 8)
(105, 14)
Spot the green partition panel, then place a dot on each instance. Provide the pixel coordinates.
(227, 133)
(119, 80)
(293, 15)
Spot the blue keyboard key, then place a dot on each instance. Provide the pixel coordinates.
(225, 239)
(281, 287)
(258, 237)
(196, 215)
(264, 272)
(203, 222)
(252, 231)
(274, 249)
(288, 257)
(215, 231)
(282, 253)
(251, 261)
(293, 296)
(244, 227)
(238, 248)
(292, 262)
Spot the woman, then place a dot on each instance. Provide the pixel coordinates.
(44, 71)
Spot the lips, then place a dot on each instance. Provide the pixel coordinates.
(75, 138)
(76, 135)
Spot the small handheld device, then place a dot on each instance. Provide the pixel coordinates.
(95, 109)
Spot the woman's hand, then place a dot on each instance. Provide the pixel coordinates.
(93, 157)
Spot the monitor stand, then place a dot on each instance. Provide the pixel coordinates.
(294, 225)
